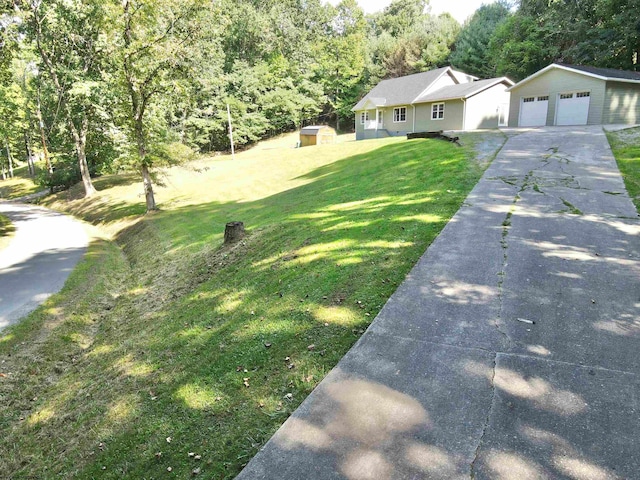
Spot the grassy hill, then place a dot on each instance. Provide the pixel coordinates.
(165, 343)
(18, 186)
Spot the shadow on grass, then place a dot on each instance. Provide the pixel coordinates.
(214, 347)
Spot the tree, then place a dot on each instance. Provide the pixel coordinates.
(401, 15)
(471, 53)
(342, 59)
(67, 36)
(153, 54)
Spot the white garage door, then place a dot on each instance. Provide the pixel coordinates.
(573, 108)
(533, 111)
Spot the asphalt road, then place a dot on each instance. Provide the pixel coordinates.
(45, 248)
(510, 352)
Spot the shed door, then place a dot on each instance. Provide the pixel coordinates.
(533, 111)
(573, 108)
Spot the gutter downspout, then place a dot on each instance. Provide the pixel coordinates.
(464, 113)
(377, 122)
(414, 119)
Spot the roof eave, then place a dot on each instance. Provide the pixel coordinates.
(446, 70)
(561, 67)
(468, 95)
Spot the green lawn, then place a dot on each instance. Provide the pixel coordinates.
(626, 148)
(18, 186)
(6, 231)
(164, 342)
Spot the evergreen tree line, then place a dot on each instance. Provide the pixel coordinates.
(96, 86)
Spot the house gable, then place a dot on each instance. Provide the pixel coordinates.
(553, 82)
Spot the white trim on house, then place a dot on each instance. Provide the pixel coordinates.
(426, 90)
(572, 70)
(399, 115)
(437, 111)
(364, 117)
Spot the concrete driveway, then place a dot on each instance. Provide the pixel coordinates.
(45, 249)
(512, 349)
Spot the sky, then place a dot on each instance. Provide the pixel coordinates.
(460, 9)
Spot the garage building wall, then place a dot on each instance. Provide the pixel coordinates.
(557, 81)
(482, 109)
(453, 115)
(622, 103)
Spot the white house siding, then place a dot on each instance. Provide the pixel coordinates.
(482, 109)
(554, 82)
(453, 114)
(622, 103)
(388, 128)
(445, 80)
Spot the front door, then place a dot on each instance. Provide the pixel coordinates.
(503, 114)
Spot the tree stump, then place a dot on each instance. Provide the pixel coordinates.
(233, 232)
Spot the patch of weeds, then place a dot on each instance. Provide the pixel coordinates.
(572, 209)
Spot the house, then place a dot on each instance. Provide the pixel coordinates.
(441, 99)
(561, 94)
(317, 135)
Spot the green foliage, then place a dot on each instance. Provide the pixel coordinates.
(472, 54)
(520, 47)
(601, 33)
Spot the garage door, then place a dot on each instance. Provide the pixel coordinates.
(533, 111)
(573, 108)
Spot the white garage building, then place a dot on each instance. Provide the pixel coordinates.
(575, 95)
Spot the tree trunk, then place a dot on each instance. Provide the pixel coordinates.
(42, 137)
(9, 157)
(148, 189)
(233, 232)
(27, 144)
(80, 139)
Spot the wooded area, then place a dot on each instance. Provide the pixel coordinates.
(103, 86)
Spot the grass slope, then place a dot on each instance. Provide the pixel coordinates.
(18, 186)
(6, 231)
(626, 148)
(165, 342)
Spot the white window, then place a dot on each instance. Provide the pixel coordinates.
(544, 98)
(564, 96)
(437, 111)
(529, 99)
(364, 117)
(583, 94)
(400, 114)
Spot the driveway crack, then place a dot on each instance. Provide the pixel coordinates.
(485, 427)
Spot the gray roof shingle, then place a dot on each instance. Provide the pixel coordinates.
(463, 90)
(611, 73)
(402, 90)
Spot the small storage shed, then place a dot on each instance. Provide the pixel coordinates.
(317, 135)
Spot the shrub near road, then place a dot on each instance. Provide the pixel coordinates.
(167, 353)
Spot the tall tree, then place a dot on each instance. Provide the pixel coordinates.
(67, 35)
(342, 59)
(471, 52)
(401, 15)
(153, 53)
